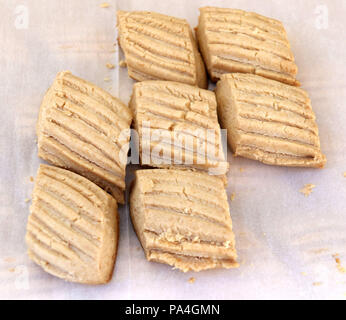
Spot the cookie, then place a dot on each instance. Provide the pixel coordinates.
(233, 40)
(72, 230)
(160, 47)
(177, 126)
(268, 121)
(182, 219)
(84, 129)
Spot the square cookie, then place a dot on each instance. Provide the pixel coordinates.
(233, 40)
(268, 121)
(178, 127)
(160, 47)
(182, 219)
(72, 230)
(84, 129)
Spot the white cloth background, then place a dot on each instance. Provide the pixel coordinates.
(285, 241)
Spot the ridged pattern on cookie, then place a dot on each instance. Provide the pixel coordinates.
(185, 119)
(72, 230)
(83, 128)
(160, 47)
(238, 41)
(268, 121)
(182, 219)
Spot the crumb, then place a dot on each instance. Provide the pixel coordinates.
(318, 251)
(106, 79)
(317, 283)
(307, 189)
(264, 234)
(31, 179)
(241, 169)
(338, 263)
(232, 196)
(27, 200)
(104, 5)
(192, 280)
(304, 274)
(9, 259)
(110, 65)
(12, 269)
(341, 268)
(122, 64)
(345, 174)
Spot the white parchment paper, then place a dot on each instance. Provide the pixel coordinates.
(286, 242)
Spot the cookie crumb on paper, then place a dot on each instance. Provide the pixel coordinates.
(192, 280)
(110, 65)
(338, 263)
(232, 196)
(307, 189)
(319, 251)
(105, 5)
(317, 284)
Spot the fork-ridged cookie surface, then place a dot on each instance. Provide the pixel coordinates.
(72, 230)
(268, 121)
(83, 128)
(160, 47)
(180, 121)
(233, 40)
(182, 219)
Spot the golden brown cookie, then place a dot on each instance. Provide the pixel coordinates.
(177, 126)
(84, 129)
(160, 47)
(72, 230)
(233, 40)
(268, 121)
(182, 219)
